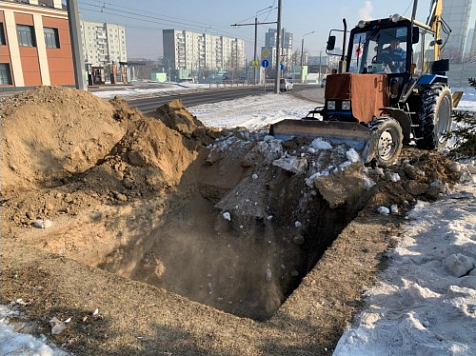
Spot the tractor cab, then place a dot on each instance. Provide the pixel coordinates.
(401, 49)
(391, 46)
(383, 47)
(382, 50)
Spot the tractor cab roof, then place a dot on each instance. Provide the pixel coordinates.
(388, 21)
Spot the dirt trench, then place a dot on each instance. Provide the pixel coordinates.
(230, 219)
(243, 254)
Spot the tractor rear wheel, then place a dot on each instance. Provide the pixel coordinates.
(435, 117)
(386, 142)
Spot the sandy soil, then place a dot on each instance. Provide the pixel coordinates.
(188, 240)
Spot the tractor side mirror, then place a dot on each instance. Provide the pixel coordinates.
(331, 43)
(416, 35)
(437, 42)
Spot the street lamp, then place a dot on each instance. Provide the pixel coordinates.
(302, 53)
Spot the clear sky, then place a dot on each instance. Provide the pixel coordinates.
(145, 19)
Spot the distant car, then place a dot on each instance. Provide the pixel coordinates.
(285, 85)
(323, 83)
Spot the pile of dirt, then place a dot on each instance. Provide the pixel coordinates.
(51, 133)
(145, 216)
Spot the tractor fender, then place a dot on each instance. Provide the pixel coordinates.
(403, 119)
(428, 79)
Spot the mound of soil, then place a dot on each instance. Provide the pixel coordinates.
(46, 136)
(189, 240)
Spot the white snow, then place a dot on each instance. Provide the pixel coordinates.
(319, 144)
(425, 301)
(12, 342)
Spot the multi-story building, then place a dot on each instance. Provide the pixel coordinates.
(456, 14)
(35, 47)
(471, 46)
(103, 43)
(286, 48)
(197, 52)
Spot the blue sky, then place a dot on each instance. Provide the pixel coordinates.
(145, 19)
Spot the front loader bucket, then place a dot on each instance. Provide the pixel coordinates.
(350, 133)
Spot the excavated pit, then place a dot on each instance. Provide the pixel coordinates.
(228, 258)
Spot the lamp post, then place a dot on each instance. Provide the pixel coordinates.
(302, 53)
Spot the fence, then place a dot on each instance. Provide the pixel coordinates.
(240, 83)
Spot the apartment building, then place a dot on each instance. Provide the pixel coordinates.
(35, 47)
(286, 48)
(195, 52)
(103, 43)
(472, 44)
(456, 13)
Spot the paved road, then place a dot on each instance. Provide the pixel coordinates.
(304, 91)
(309, 92)
(200, 97)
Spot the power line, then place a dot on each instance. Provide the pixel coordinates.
(120, 13)
(146, 14)
(160, 19)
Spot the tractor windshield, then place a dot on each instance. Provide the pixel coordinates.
(380, 50)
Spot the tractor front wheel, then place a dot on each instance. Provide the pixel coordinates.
(386, 142)
(435, 117)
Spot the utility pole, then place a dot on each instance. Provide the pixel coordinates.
(255, 24)
(278, 31)
(236, 57)
(255, 59)
(302, 54)
(77, 49)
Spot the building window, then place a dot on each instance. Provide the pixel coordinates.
(51, 37)
(3, 42)
(26, 36)
(5, 76)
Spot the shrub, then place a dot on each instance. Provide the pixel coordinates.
(464, 135)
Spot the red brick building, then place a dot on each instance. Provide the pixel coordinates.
(35, 47)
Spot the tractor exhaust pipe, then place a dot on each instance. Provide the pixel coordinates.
(343, 59)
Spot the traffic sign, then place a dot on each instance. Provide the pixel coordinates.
(282, 66)
(265, 52)
(254, 64)
(265, 63)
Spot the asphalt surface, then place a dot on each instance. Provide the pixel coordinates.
(206, 96)
(190, 97)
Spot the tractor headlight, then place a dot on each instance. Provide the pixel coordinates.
(346, 105)
(331, 105)
(395, 18)
(361, 24)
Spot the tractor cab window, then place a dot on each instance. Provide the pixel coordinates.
(428, 52)
(418, 50)
(379, 51)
